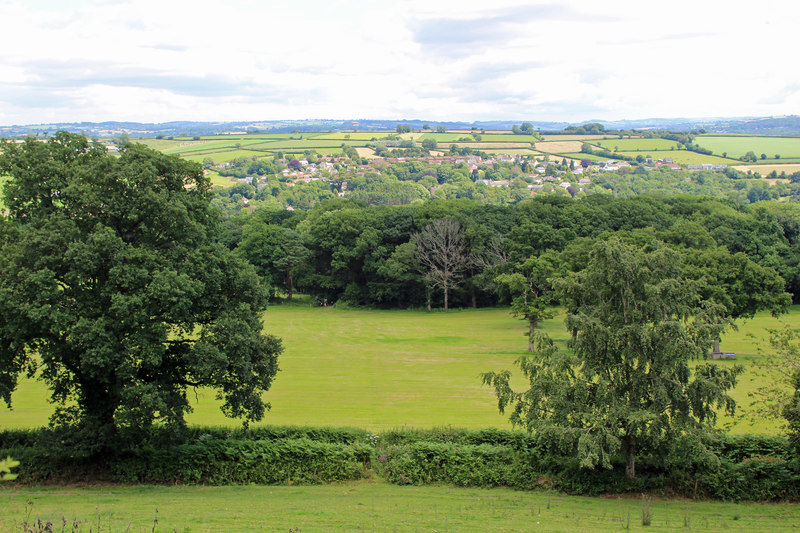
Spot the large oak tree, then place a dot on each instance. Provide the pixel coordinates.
(112, 285)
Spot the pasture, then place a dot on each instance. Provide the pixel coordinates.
(381, 370)
(738, 145)
(682, 157)
(559, 147)
(371, 505)
(636, 145)
(574, 137)
(766, 169)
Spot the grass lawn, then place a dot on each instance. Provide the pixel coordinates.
(371, 506)
(387, 369)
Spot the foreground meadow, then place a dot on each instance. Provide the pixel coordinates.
(381, 370)
(371, 506)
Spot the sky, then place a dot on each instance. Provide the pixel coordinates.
(574, 61)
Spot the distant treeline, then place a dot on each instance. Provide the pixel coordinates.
(347, 251)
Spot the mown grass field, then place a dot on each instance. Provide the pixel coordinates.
(380, 370)
(371, 506)
(738, 145)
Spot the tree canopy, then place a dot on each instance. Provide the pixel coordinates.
(112, 284)
(625, 381)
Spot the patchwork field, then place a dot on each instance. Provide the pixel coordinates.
(683, 157)
(636, 144)
(738, 145)
(387, 369)
(370, 506)
(567, 137)
(559, 147)
(766, 169)
(495, 146)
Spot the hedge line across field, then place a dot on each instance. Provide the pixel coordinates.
(751, 467)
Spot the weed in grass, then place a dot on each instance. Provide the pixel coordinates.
(647, 510)
(686, 520)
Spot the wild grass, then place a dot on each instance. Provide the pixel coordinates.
(380, 370)
(369, 506)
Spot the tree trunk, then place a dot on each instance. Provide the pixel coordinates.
(474, 295)
(716, 345)
(428, 297)
(630, 457)
(532, 324)
(445, 296)
(290, 281)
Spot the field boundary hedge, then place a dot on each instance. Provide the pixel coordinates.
(749, 467)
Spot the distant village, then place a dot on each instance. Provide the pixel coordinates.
(329, 168)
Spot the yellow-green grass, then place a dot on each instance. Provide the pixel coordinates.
(303, 144)
(636, 144)
(766, 169)
(500, 137)
(225, 155)
(511, 151)
(738, 145)
(492, 146)
(682, 157)
(219, 181)
(569, 137)
(356, 136)
(579, 156)
(446, 137)
(209, 146)
(161, 144)
(372, 506)
(386, 369)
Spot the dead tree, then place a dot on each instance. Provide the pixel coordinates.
(442, 251)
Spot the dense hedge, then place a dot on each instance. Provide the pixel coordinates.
(750, 467)
(207, 455)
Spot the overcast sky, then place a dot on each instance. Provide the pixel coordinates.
(156, 61)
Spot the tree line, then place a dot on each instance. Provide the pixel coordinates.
(346, 250)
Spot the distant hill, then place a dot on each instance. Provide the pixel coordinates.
(787, 125)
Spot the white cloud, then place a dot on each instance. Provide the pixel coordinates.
(457, 60)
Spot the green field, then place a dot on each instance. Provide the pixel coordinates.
(371, 506)
(356, 136)
(388, 369)
(637, 145)
(738, 145)
(684, 157)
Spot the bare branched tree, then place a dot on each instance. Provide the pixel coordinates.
(442, 251)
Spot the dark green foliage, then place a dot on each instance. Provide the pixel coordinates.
(213, 456)
(626, 382)
(750, 467)
(730, 468)
(110, 275)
